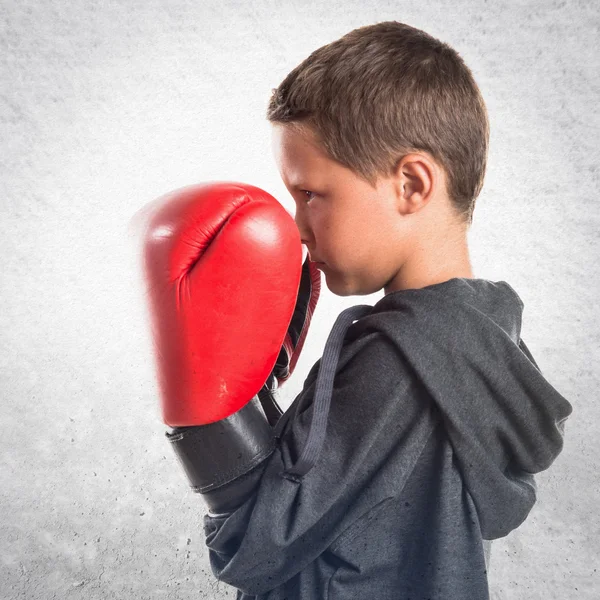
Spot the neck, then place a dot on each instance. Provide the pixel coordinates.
(435, 258)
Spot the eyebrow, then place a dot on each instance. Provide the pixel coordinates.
(301, 185)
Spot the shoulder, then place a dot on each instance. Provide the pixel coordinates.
(373, 351)
(375, 389)
(371, 354)
(372, 364)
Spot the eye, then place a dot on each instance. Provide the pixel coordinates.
(308, 192)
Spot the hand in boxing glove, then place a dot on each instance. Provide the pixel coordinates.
(222, 262)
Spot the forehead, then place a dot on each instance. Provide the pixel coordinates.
(297, 154)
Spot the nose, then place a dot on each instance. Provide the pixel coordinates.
(302, 226)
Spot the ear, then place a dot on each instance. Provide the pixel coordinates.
(415, 179)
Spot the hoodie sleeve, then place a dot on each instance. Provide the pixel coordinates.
(379, 421)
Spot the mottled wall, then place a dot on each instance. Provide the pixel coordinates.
(105, 106)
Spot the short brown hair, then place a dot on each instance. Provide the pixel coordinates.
(384, 90)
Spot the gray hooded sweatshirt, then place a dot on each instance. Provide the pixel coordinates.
(414, 441)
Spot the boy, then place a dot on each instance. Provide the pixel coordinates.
(415, 438)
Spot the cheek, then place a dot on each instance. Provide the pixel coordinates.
(321, 224)
(329, 232)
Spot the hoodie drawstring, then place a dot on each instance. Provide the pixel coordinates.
(322, 395)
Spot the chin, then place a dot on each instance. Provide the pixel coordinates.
(338, 290)
(337, 285)
(343, 288)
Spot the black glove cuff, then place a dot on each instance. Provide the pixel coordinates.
(215, 454)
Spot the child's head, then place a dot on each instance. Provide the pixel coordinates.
(384, 107)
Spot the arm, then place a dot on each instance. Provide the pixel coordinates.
(378, 423)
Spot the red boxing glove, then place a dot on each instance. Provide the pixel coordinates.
(223, 265)
(230, 304)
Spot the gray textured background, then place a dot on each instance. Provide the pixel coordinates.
(105, 106)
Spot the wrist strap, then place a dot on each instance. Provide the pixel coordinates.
(217, 453)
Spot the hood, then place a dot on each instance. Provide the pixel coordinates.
(461, 337)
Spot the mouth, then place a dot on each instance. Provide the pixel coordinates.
(313, 261)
